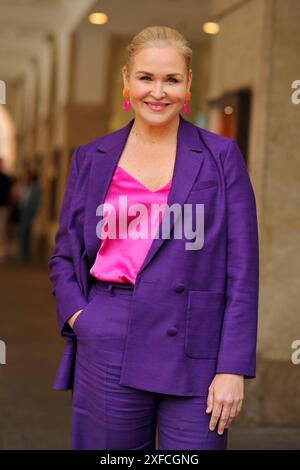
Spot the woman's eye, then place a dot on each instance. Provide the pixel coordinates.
(171, 78)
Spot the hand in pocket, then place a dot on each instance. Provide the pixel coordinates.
(72, 319)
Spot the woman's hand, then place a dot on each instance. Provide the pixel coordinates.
(73, 317)
(225, 397)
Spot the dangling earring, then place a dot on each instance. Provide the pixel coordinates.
(186, 107)
(126, 102)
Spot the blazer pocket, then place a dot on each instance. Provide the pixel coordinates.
(205, 312)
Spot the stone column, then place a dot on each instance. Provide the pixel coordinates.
(258, 46)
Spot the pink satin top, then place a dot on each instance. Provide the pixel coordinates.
(129, 230)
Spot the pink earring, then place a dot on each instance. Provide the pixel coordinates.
(126, 103)
(186, 106)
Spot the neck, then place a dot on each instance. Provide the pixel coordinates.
(144, 133)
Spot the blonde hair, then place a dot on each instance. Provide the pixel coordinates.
(158, 36)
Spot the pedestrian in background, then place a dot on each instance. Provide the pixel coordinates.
(28, 204)
(5, 184)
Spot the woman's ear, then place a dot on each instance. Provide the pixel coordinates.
(190, 79)
(125, 76)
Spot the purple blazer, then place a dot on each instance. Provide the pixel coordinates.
(203, 303)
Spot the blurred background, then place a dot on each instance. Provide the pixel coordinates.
(60, 86)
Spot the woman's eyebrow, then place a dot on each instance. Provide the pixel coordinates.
(149, 73)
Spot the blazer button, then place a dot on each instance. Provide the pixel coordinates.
(179, 288)
(172, 332)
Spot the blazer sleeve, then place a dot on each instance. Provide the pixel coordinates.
(237, 352)
(68, 294)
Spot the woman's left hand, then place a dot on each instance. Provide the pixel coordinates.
(225, 397)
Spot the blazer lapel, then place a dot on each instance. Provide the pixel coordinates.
(188, 163)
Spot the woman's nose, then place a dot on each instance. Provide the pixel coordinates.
(158, 91)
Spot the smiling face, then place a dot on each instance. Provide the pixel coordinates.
(157, 83)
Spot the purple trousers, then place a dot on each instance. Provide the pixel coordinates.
(110, 416)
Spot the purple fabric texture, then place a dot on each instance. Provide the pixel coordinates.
(193, 312)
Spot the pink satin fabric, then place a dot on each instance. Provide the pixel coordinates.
(119, 259)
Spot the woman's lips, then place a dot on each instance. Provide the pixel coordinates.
(157, 106)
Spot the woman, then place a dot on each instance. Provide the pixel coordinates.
(161, 331)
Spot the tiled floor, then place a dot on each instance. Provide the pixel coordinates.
(32, 415)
